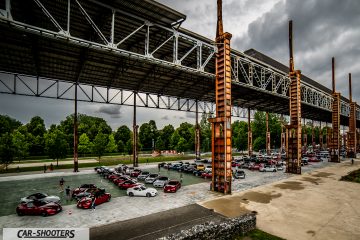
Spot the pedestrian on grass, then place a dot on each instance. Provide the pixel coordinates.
(181, 177)
(61, 183)
(93, 204)
(159, 167)
(51, 167)
(352, 161)
(147, 161)
(44, 168)
(67, 191)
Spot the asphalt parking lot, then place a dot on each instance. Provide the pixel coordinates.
(21, 188)
(119, 208)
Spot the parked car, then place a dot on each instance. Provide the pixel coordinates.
(208, 168)
(206, 174)
(135, 173)
(143, 175)
(82, 188)
(172, 186)
(40, 196)
(279, 167)
(128, 184)
(100, 198)
(161, 181)
(114, 176)
(239, 174)
(200, 167)
(141, 191)
(267, 168)
(121, 179)
(254, 166)
(305, 161)
(87, 193)
(151, 178)
(198, 172)
(38, 207)
(176, 166)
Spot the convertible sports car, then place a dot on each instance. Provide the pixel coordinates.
(38, 207)
(128, 184)
(101, 197)
(141, 191)
(40, 196)
(172, 186)
(82, 188)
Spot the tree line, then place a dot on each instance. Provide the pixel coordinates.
(19, 141)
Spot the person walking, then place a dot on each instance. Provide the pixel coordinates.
(67, 191)
(44, 168)
(159, 167)
(93, 204)
(352, 161)
(51, 167)
(61, 184)
(181, 177)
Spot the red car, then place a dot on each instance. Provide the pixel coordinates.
(313, 159)
(38, 208)
(101, 198)
(135, 173)
(206, 175)
(254, 167)
(119, 180)
(128, 184)
(114, 176)
(83, 188)
(172, 186)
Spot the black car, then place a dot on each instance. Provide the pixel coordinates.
(198, 172)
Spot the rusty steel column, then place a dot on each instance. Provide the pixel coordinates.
(304, 130)
(197, 133)
(283, 135)
(321, 137)
(268, 147)
(250, 150)
(335, 136)
(221, 124)
(293, 130)
(352, 139)
(76, 160)
(135, 136)
(313, 135)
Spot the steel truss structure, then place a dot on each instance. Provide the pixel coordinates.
(20, 84)
(138, 37)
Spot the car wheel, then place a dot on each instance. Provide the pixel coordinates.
(131, 194)
(19, 213)
(274, 170)
(148, 194)
(109, 199)
(44, 214)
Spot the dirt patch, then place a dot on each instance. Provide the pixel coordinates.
(228, 207)
(291, 185)
(311, 232)
(257, 197)
(315, 181)
(322, 174)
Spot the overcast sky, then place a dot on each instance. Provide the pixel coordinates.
(322, 29)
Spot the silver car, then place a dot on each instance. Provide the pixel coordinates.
(151, 178)
(40, 196)
(143, 176)
(161, 182)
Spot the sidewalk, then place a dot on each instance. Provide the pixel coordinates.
(21, 165)
(313, 205)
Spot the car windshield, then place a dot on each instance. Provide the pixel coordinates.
(38, 195)
(153, 175)
(145, 173)
(163, 178)
(172, 183)
(143, 188)
(39, 203)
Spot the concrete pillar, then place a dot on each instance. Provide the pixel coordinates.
(135, 135)
(76, 161)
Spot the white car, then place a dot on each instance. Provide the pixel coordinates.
(141, 191)
(267, 168)
(208, 168)
(143, 176)
(161, 182)
(151, 178)
(40, 196)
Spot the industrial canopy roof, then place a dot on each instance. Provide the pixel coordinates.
(58, 58)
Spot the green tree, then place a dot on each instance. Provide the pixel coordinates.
(99, 144)
(147, 134)
(123, 133)
(129, 147)
(8, 124)
(21, 144)
(175, 137)
(56, 145)
(181, 145)
(36, 129)
(205, 132)
(7, 149)
(159, 145)
(240, 135)
(259, 143)
(165, 135)
(85, 146)
(121, 146)
(111, 147)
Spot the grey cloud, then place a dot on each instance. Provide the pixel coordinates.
(112, 110)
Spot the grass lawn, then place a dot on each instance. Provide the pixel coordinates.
(257, 234)
(353, 176)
